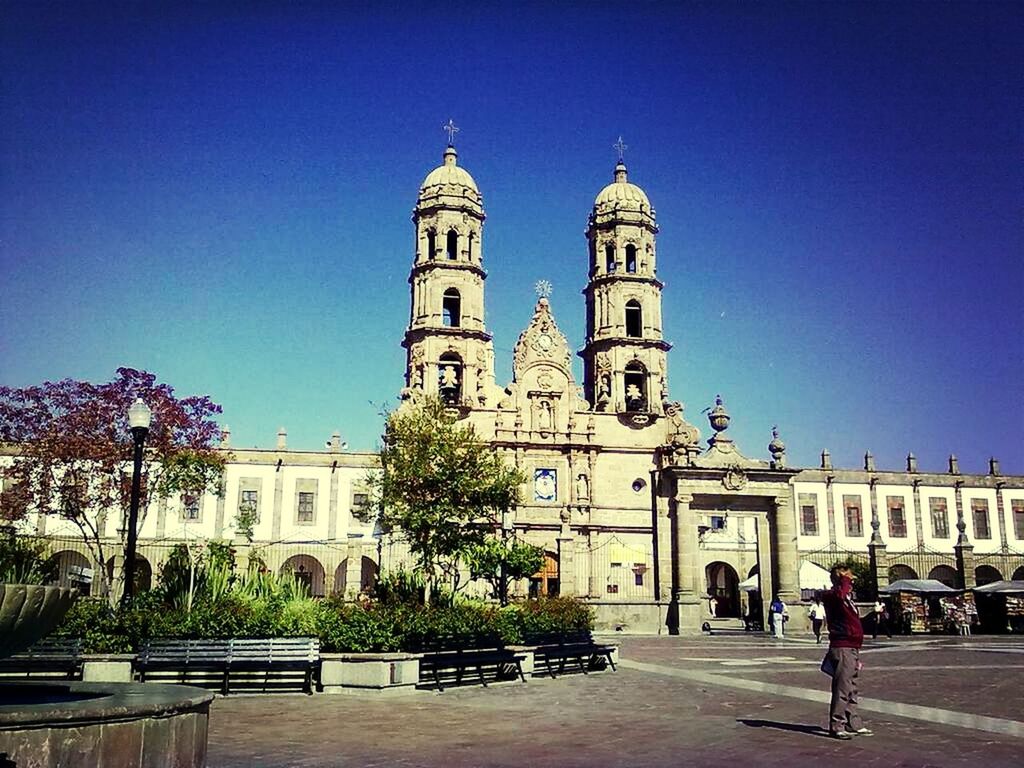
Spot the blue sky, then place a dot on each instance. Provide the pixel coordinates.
(221, 194)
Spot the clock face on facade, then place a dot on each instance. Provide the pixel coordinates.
(544, 342)
(545, 485)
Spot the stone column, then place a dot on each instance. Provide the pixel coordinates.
(876, 546)
(354, 569)
(918, 513)
(764, 566)
(786, 555)
(218, 520)
(685, 585)
(663, 537)
(963, 549)
(566, 562)
(1001, 513)
(830, 506)
(275, 521)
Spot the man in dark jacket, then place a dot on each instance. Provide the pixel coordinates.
(845, 637)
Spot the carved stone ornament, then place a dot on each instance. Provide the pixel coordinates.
(541, 342)
(734, 479)
(680, 431)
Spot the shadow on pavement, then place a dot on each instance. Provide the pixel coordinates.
(811, 730)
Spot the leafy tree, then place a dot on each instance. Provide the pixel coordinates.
(499, 563)
(24, 560)
(72, 454)
(440, 485)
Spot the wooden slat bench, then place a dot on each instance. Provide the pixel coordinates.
(212, 662)
(50, 656)
(553, 650)
(447, 661)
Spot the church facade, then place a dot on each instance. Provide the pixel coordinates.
(654, 525)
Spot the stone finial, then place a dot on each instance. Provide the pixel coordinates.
(993, 466)
(777, 449)
(719, 419)
(225, 437)
(826, 459)
(282, 439)
(954, 464)
(869, 462)
(911, 462)
(335, 443)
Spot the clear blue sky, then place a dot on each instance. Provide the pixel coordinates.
(221, 195)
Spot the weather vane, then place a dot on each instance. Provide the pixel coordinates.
(621, 147)
(543, 288)
(452, 130)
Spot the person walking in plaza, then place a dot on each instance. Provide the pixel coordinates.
(778, 616)
(881, 619)
(845, 637)
(817, 614)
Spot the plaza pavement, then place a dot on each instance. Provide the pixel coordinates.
(706, 701)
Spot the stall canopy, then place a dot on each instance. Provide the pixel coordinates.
(931, 586)
(812, 577)
(1002, 588)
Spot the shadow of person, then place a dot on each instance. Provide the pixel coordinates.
(810, 730)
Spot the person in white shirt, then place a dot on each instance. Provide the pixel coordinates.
(817, 614)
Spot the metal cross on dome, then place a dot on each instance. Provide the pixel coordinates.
(452, 130)
(621, 147)
(543, 288)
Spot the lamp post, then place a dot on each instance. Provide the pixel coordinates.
(138, 419)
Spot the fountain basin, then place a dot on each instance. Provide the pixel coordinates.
(100, 725)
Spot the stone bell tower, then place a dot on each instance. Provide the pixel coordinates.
(449, 352)
(624, 360)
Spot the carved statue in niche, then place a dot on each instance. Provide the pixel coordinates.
(582, 488)
(544, 416)
(480, 394)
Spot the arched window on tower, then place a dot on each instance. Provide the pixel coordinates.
(631, 258)
(634, 319)
(449, 378)
(451, 308)
(431, 244)
(635, 381)
(609, 257)
(451, 250)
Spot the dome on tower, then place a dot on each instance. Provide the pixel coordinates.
(621, 194)
(449, 174)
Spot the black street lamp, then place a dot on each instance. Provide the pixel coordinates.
(138, 418)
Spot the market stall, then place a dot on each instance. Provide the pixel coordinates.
(1001, 605)
(928, 605)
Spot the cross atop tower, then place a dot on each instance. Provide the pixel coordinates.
(621, 147)
(451, 129)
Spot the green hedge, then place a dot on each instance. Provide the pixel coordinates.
(341, 627)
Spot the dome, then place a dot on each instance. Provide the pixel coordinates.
(449, 173)
(621, 194)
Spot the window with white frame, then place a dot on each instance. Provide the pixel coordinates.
(304, 507)
(808, 514)
(854, 517)
(897, 517)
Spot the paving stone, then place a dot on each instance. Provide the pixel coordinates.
(639, 718)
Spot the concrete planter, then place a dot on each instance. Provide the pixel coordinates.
(381, 672)
(107, 667)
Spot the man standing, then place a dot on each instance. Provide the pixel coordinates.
(778, 617)
(817, 614)
(845, 637)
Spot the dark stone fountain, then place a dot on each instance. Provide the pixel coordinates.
(93, 725)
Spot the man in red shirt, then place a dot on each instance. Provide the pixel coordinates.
(845, 637)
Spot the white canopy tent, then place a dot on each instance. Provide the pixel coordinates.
(931, 586)
(812, 577)
(1002, 588)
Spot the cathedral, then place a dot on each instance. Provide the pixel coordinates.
(633, 510)
(658, 528)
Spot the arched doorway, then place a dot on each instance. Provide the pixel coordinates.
(143, 573)
(544, 583)
(73, 570)
(899, 572)
(945, 574)
(986, 574)
(307, 570)
(1018, 575)
(723, 588)
(368, 574)
(341, 577)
